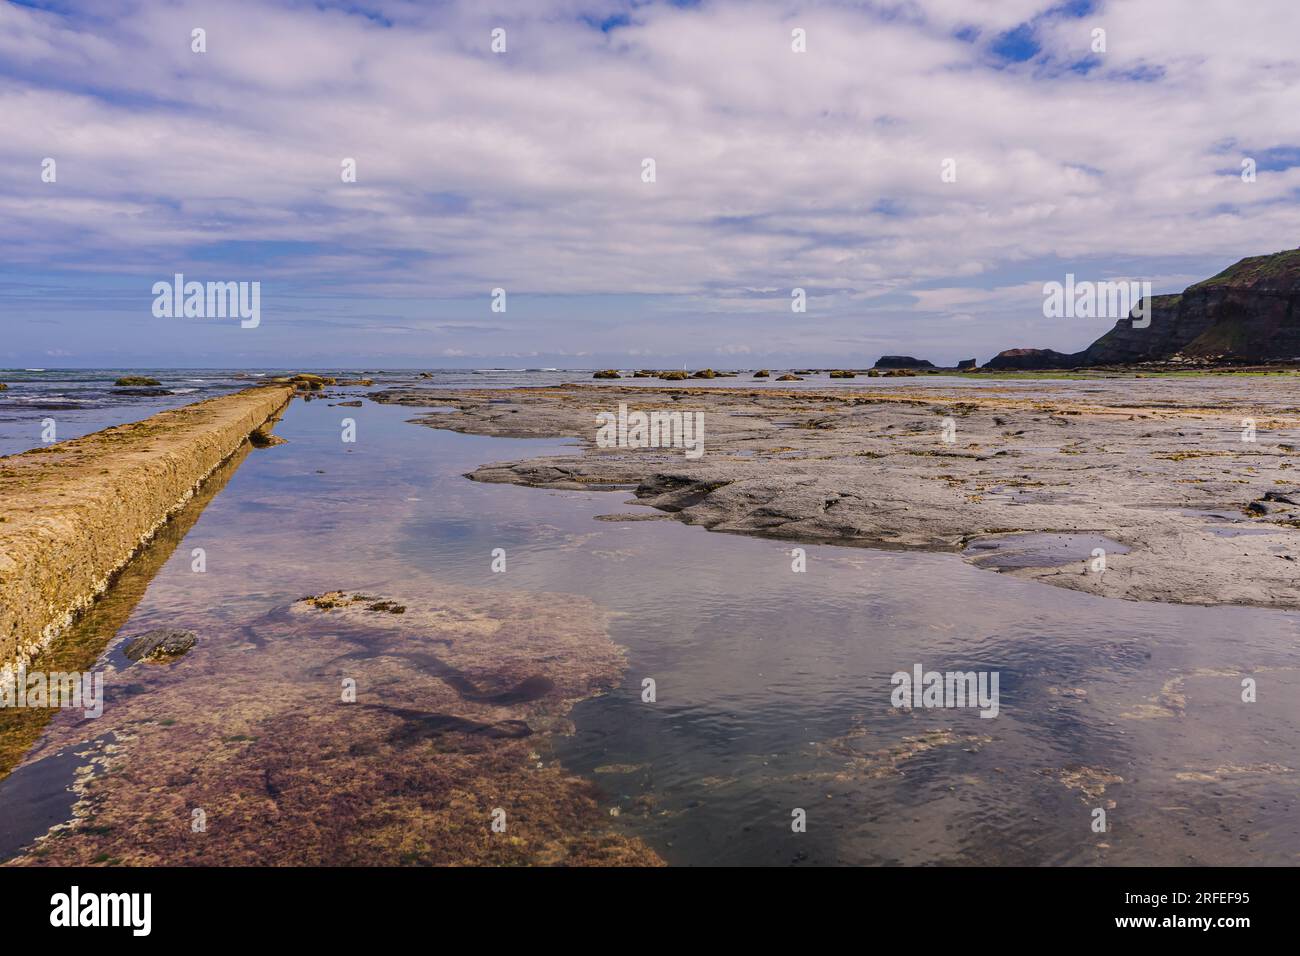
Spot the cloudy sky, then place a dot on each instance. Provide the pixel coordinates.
(522, 170)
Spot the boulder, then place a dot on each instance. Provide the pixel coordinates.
(607, 373)
(160, 646)
(308, 383)
(137, 380)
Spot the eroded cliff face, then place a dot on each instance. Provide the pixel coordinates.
(1126, 343)
(1247, 313)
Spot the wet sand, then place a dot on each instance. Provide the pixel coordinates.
(1154, 471)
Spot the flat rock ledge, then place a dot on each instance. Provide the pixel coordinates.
(1188, 510)
(73, 514)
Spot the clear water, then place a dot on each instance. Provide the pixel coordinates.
(773, 687)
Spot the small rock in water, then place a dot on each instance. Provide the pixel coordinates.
(160, 646)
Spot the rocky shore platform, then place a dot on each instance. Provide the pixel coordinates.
(1184, 487)
(349, 728)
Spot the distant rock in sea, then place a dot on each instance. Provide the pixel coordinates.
(902, 361)
(1021, 359)
(136, 380)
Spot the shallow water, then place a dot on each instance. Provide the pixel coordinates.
(772, 687)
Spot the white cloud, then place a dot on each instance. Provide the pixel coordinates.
(775, 169)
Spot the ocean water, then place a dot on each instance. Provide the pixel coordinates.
(773, 688)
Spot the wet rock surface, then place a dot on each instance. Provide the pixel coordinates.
(160, 646)
(335, 732)
(1133, 460)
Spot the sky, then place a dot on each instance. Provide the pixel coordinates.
(524, 170)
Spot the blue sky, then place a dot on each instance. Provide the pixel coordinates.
(522, 170)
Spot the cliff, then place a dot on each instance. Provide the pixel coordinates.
(1246, 313)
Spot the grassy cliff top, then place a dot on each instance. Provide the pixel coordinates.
(1281, 270)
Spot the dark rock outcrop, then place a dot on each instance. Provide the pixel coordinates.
(137, 380)
(160, 646)
(1023, 359)
(901, 361)
(966, 364)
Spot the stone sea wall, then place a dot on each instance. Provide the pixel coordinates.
(73, 514)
